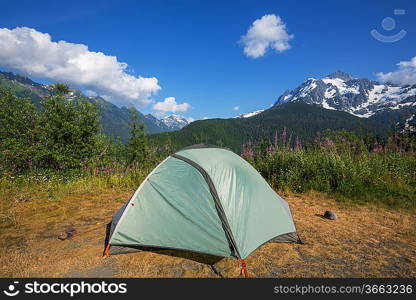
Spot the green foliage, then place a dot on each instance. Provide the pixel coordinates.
(137, 145)
(344, 164)
(63, 134)
(69, 129)
(59, 89)
(19, 131)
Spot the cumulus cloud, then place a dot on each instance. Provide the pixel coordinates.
(34, 53)
(170, 105)
(405, 73)
(269, 32)
(236, 107)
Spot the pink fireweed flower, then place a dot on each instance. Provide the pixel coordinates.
(276, 139)
(329, 144)
(377, 148)
(298, 144)
(284, 133)
(270, 150)
(318, 139)
(247, 151)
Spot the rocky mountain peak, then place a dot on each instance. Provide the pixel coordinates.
(174, 122)
(340, 75)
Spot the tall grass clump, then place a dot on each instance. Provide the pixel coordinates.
(360, 169)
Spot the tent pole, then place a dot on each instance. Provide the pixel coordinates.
(244, 268)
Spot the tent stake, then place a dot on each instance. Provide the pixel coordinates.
(244, 268)
(107, 248)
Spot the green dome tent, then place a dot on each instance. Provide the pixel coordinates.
(204, 199)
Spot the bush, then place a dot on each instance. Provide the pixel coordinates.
(19, 132)
(62, 134)
(69, 132)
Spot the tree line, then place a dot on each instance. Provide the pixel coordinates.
(63, 133)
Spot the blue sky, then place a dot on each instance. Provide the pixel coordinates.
(193, 48)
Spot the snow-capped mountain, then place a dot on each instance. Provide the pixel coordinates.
(358, 96)
(174, 122)
(250, 114)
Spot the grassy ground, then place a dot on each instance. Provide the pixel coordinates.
(365, 241)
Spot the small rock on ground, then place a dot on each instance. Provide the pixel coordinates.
(330, 215)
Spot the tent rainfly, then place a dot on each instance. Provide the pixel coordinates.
(204, 199)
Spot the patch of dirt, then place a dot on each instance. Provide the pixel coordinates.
(105, 269)
(364, 241)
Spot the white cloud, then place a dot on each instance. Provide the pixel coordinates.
(405, 73)
(236, 107)
(90, 93)
(267, 32)
(34, 53)
(170, 105)
(205, 118)
(159, 114)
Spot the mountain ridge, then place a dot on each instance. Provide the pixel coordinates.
(361, 97)
(299, 119)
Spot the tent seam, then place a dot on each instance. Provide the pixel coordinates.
(202, 146)
(133, 197)
(220, 210)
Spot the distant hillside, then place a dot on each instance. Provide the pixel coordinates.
(23, 87)
(300, 120)
(116, 121)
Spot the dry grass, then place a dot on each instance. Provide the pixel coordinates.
(364, 242)
(28, 240)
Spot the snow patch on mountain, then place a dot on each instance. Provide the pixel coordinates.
(250, 114)
(340, 85)
(175, 122)
(410, 124)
